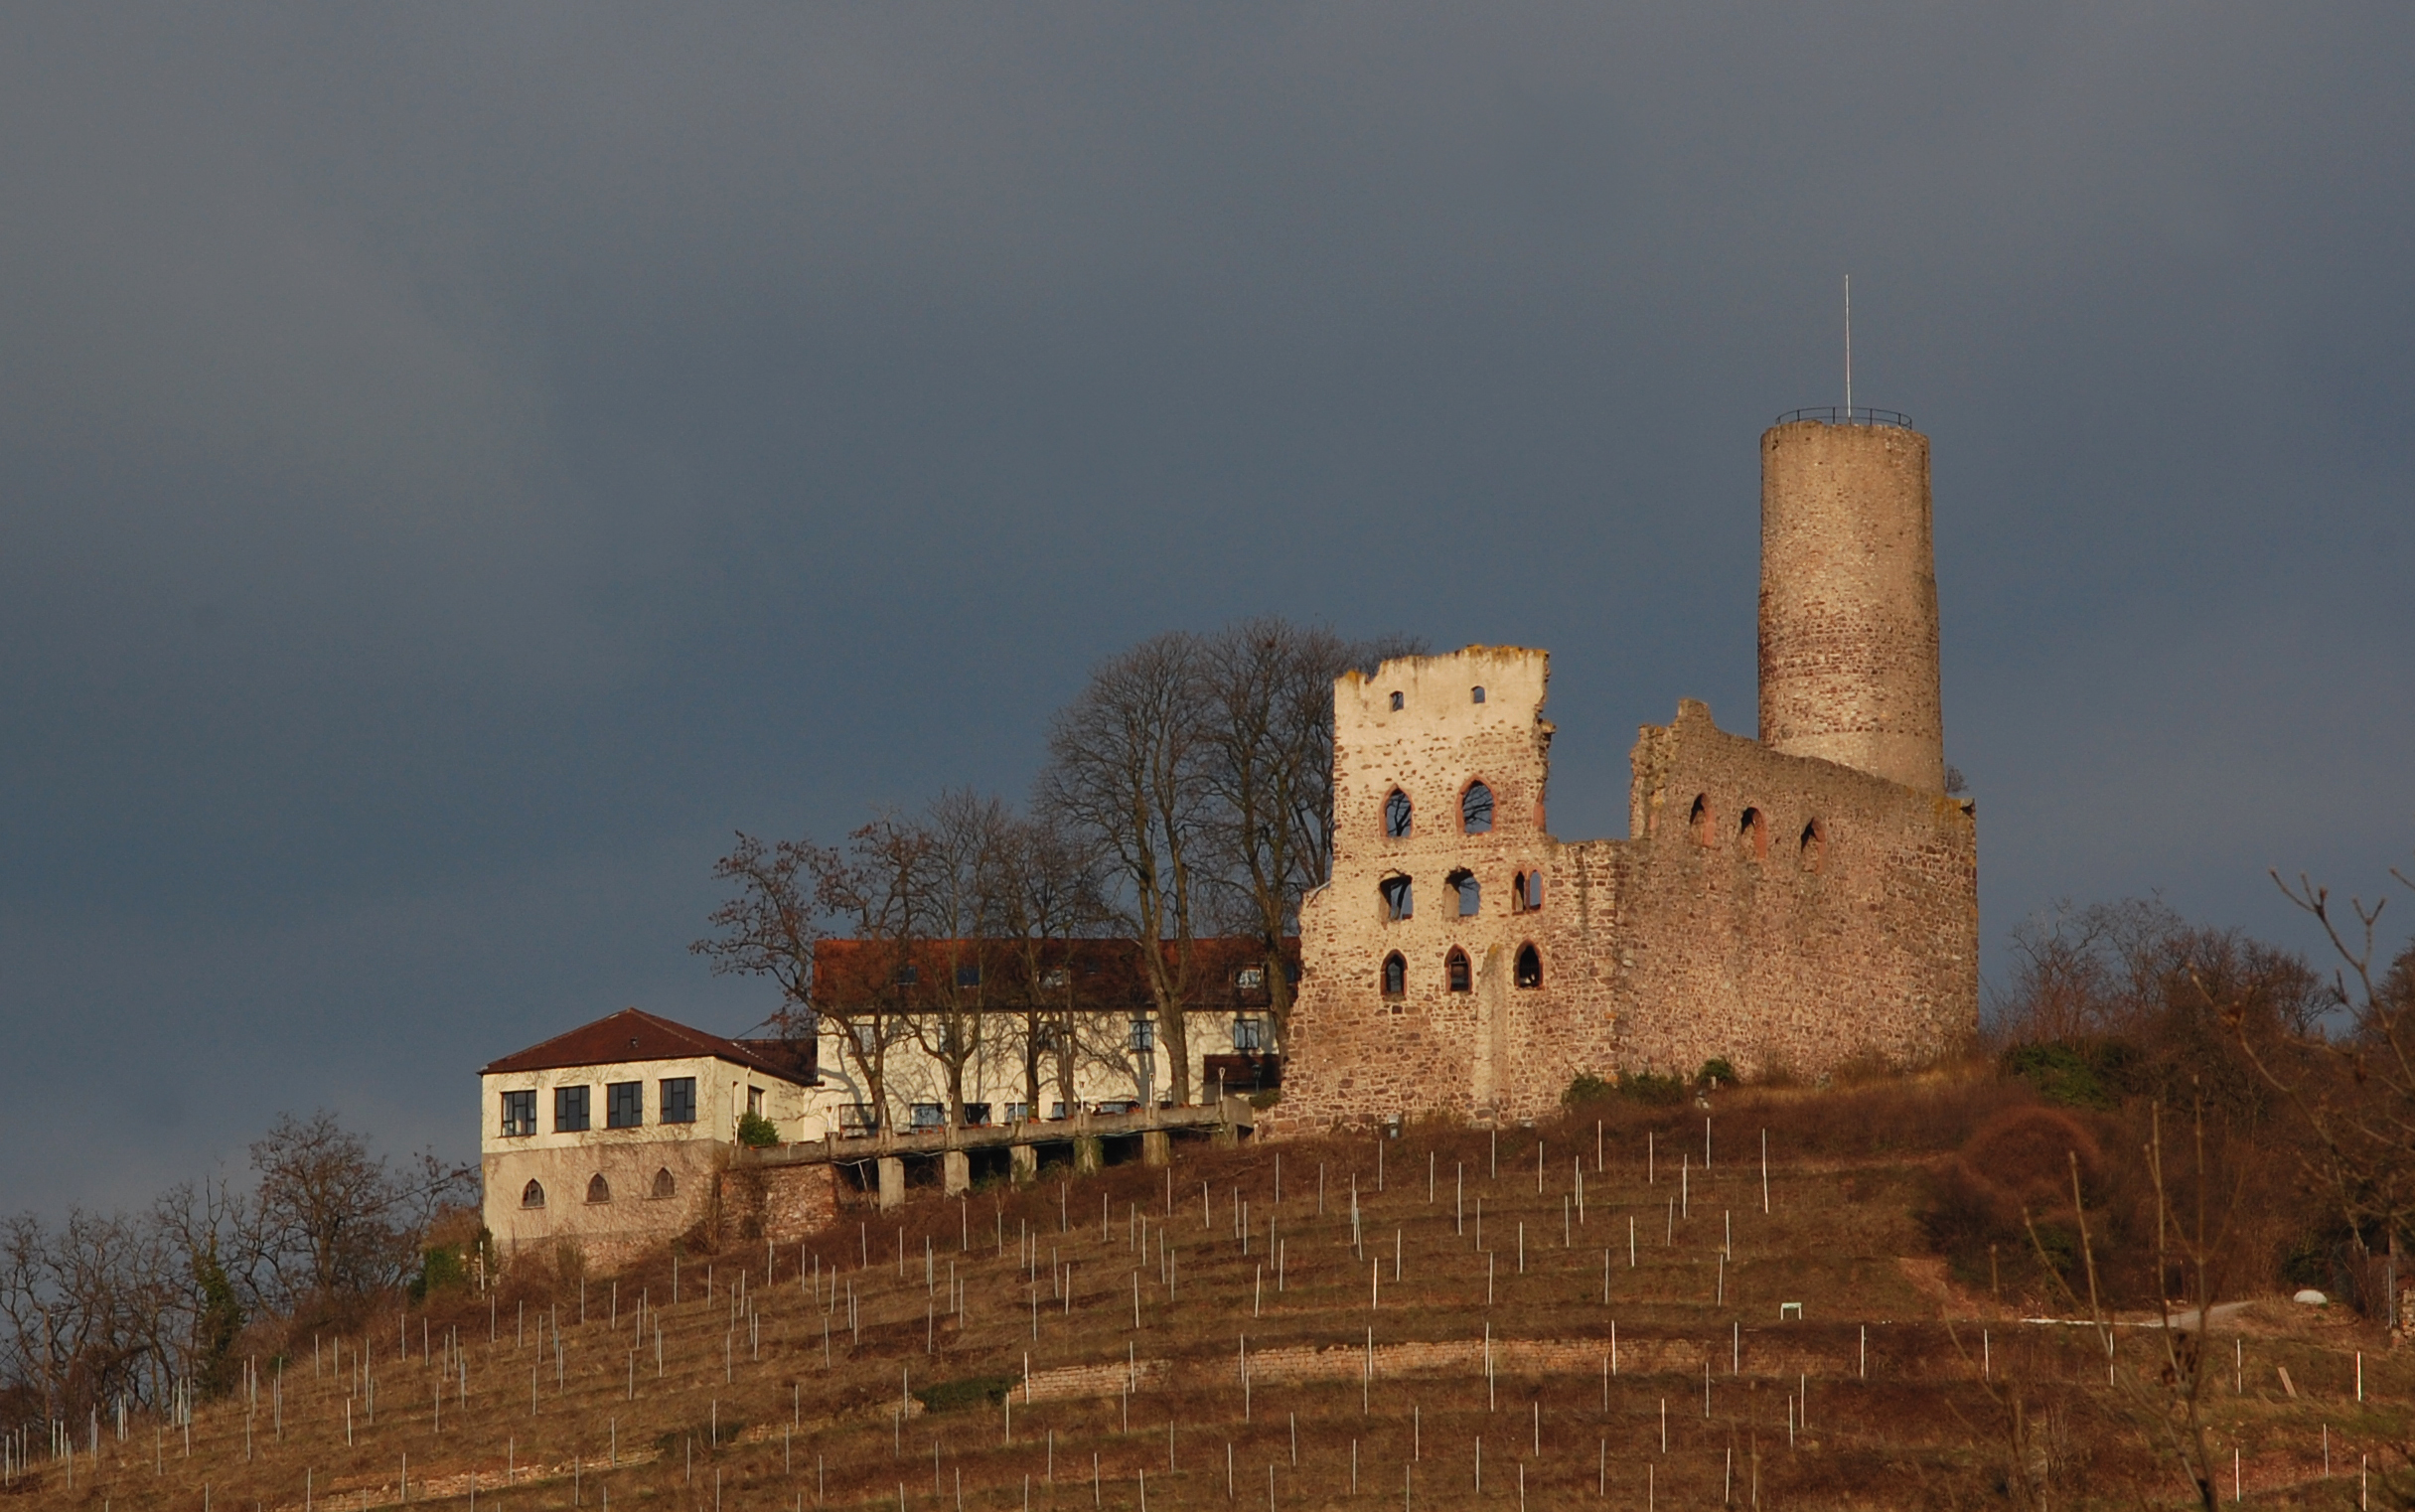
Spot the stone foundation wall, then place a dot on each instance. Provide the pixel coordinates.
(784, 1204)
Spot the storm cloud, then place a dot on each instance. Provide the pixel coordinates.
(458, 464)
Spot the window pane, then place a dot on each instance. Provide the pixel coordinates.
(624, 1105)
(678, 1100)
(569, 1110)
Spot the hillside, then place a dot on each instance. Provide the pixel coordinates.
(1426, 1321)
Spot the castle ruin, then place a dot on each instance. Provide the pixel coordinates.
(1796, 901)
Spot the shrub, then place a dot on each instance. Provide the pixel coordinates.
(1644, 1086)
(1716, 1072)
(440, 1268)
(2077, 1073)
(2015, 1171)
(974, 1391)
(757, 1131)
(1587, 1088)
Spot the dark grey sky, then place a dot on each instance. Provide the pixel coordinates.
(457, 464)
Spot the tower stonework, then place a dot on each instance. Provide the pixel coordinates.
(1849, 600)
(1792, 903)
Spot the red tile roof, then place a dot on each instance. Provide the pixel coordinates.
(633, 1035)
(1102, 975)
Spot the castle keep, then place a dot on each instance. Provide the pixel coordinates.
(1794, 901)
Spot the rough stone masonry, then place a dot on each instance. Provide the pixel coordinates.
(1794, 902)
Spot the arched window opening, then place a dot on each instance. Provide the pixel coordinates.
(1396, 974)
(1475, 695)
(664, 1184)
(1455, 970)
(1475, 808)
(1396, 701)
(1396, 816)
(1698, 819)
(1470, 891)
(1529, 973)
(598, 1189)
(1814, 846)
(1398, 903)
(1533, 890)
(1753, 835)
(532, 1195)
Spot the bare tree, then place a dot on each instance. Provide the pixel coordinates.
(877, 887)
(956, 877)
(771, 926)
(1268, 767)
(1128, 774)
(93, 1311)
(334, 1219)
(2356, 1094)
(2169, 1404)
(1045, 895)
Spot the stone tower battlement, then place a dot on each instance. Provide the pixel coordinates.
(1849, 600)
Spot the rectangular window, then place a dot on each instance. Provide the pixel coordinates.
(1017, 1113)
(754, 1101)
(929, 1115)
(520, 1113)
(976, 1115)
(624, 1105)
(1144, 1035)
(1251, 978)
(678, 1100)
(569, 1110)
(858, 1119)
(1249, 1034)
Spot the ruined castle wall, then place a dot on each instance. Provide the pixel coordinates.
(1355, 1054)
(1786, 911)
(1772, 910)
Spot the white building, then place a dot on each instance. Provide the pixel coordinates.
(611, 1136)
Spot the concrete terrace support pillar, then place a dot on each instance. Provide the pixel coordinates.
(892, 1182)
(1156, 1146)
(1025, 1161)
(956, 1172)
(1088, 1154)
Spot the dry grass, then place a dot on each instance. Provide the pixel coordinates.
(745, 1412)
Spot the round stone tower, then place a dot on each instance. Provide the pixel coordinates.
(1849, 597)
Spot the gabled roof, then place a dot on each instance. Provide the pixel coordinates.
(633, 1035)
